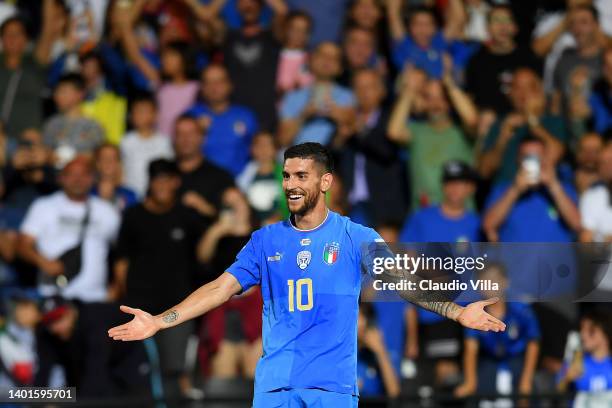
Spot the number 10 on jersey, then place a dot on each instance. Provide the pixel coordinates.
(295, 294)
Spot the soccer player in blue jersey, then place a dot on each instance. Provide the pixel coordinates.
(309, 271)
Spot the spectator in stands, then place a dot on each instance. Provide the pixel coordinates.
(69, 132)
(368, 161)
(578, 67)
(590, 369)
(17, 340)
(489, 72)
(251, 56)
(551, 35)
(72, 351)
(588, 153)
(28, 175)
(600, 102)
(259, 180)
(156, 264)
(595, 204)
(102, 104)
(359, 48)
(57, 225)
(292, 72)
(326, 17)
(311, 114)
(421, 44)
(502, 362)
(370, 15)
(528, 118)
(536, 206)
(143, 144)
(109, 178)
(375, 374)
(202, 182)
(451, 222)
(232, 331)
(437, 139)
(22, 75)
(172, 82)
(228, 128)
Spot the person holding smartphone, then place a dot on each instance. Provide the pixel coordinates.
(536, 206)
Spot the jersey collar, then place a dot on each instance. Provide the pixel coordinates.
(311, 229)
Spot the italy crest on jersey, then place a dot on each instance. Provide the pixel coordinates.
(331, 252)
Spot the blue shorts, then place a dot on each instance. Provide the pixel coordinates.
(304, 398)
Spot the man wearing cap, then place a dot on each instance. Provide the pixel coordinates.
(156, 263)
(70, 220)
(450, 221)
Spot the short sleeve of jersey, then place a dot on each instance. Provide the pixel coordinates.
(34, 220)
(247, 267)
(368, 246)
(589, 209)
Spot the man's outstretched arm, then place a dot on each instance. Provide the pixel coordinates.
(205, 298)
(472, 316)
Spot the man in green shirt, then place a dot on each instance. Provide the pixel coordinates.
(436, 140)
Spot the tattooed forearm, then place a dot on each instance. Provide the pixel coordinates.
(170, 316)
(446, 309)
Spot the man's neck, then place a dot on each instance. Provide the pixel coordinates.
(451, 210)
(189, 164)
(74, 112)
(76, 198)
(589, 50)
(146, 132)
(157, 207)
(12, 61)
(502, 48)
(601, 353)
(313, 218)
(219, 107)
(251, 30)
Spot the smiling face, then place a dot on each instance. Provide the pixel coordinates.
(304, 183)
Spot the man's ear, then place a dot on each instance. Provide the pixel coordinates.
(326, 182)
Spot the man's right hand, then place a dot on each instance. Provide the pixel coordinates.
(142, 326)
(51, 268)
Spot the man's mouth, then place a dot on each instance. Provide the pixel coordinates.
(294, 196)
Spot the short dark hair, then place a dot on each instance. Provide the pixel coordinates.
(186, 117)
(14, 19)
(531, 139)
(314, 151)
(73, 79)
(296, 14)
(590, 8)
(413, 11)
(143, 97)
(163, 167)
(500, 6)
(600, 318)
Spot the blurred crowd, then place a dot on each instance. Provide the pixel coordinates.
(140, 145)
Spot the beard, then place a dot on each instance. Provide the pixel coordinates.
(309, 202)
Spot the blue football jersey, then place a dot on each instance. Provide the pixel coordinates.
(310, 283)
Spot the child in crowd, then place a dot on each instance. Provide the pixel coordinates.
(69, 132)
(292, 71)
(143, 144)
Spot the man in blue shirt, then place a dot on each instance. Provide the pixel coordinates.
(314, 113)
(309, 270)
(536, 206)
(422, 45)
(229, 128)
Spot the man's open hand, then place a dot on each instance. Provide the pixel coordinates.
(142, 326)
(473, 316)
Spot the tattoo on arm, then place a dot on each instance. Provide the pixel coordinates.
(446, 309)
(170, 316)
